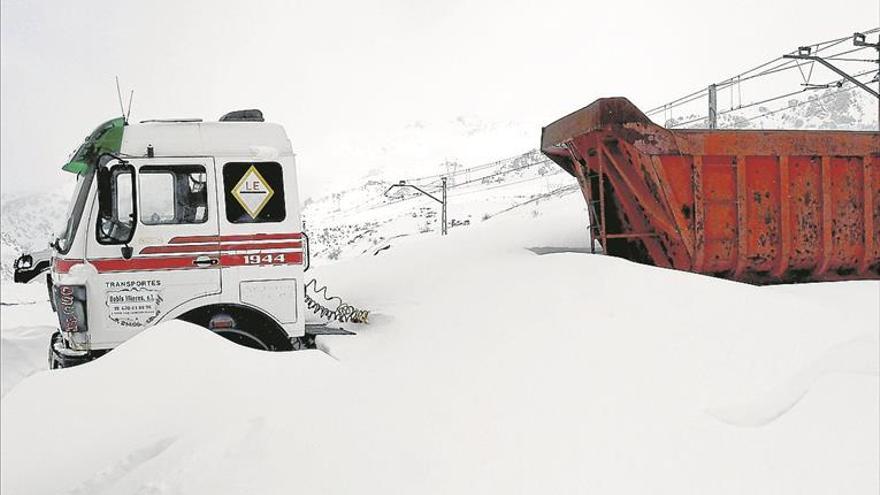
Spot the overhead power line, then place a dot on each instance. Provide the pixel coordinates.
(773, 66)
(508, 184)
(803, 102)
(837, 82)
(373, 205)
(561, 191)
(501, 172)
(462, 171)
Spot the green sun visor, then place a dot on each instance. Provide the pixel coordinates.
(107, 138)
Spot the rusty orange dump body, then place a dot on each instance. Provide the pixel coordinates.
(754, 206)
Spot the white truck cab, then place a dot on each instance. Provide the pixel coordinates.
(184, 219)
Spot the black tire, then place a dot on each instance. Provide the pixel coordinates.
(243, 338)
(241, 325)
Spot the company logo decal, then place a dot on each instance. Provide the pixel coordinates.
(134, 303)
(253, 192)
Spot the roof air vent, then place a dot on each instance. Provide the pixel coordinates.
(251, 115)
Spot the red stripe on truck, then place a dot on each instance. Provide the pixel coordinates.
(160, 263)
(234, 238)
(106, 265)
(64, 266)
(209, 248)
(197, 248)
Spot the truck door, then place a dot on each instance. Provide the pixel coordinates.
(260, 229)
(175, 254)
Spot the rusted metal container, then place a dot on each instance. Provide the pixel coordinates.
(754, 206)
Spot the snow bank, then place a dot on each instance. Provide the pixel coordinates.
(857, 356)
(487, 368)
(26, 323)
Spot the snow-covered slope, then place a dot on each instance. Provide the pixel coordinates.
(27, 222)
(363, 220)
(832, 108)
(487, 368)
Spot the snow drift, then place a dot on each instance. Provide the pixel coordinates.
(487, 368)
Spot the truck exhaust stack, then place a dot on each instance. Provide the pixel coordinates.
(761, 207)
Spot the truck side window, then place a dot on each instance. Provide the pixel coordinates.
(174, 194)
(254, 192)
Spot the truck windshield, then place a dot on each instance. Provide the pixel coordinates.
(75, 210)
(104, 140)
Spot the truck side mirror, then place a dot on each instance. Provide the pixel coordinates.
(117, 204)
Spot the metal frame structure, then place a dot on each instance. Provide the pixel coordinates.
(805, 53)
(753, 206)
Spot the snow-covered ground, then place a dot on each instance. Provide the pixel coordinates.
(486, 368)
(26, 323)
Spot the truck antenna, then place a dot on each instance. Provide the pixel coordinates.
(130, 97)
(119, 94)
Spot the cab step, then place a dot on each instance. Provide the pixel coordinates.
(315, 329)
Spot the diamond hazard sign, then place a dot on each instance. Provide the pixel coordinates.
(252, 192)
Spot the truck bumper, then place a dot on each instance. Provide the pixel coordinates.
(62, 357)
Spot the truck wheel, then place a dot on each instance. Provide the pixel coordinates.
(242, 337)
(229, 328)
(241, 325)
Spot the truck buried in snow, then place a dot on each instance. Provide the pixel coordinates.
(181, 219)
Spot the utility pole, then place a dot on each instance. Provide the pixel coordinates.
(713, 106)
(443, 228)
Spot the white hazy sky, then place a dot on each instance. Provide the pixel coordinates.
(345, 78)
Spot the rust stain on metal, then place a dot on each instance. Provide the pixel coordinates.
(753, 206)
